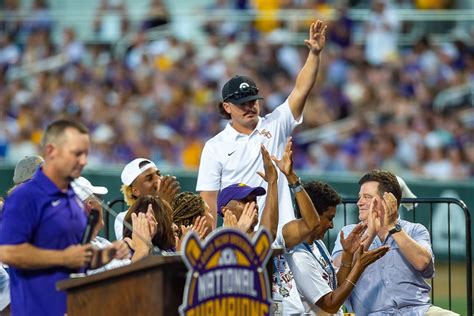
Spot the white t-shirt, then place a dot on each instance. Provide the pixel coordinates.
(231, 157)
(283, 284)
(118, 225)
(312, 276)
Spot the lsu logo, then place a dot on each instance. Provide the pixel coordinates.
(227, 275)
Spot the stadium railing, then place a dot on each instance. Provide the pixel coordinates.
(422, 210)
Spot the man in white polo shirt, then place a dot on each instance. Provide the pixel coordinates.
(141, 177)
(233, 155)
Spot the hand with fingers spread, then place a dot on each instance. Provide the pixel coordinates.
(141, 236)
(248, 218)
(230, 220)
(200, 226)
(355, 238)
(366, 258)
(317, 37)
(77, 256)
(168, 188)
(390, 210)
(152, 223)
(270, 173)
(373, 219)
(285, 164)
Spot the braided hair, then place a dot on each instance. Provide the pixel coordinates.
(186, 207)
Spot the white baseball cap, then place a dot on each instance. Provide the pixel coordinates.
(84, 188)
(406, 193)
(132, 170)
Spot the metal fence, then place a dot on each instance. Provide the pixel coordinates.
(422, 212)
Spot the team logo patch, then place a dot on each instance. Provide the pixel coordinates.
(227, 275)
(244, 86)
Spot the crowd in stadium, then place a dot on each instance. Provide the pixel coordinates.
(397, 109)
(371, 105)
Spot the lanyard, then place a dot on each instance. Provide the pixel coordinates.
(331, 272)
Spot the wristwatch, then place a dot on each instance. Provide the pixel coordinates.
(396, 229)
(296, 187)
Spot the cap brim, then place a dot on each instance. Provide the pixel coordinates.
(243, 100)
(100, 190)
(258, 191)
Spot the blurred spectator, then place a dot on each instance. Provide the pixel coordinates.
(11, 9)
(111, 20)
(38, 19)
(9, 52)
(166, 91)
(340, 30)
(157, 15)
(381, 33)
(72, 48)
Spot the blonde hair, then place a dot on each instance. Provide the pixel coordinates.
(128, 195)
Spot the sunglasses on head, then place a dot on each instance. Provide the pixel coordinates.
(244, 91)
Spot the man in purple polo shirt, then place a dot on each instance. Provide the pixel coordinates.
(43, 222)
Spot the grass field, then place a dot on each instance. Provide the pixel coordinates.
(441, 287)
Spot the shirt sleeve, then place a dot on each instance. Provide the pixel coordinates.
(287, 122)
(308, 276)
(118, 225)
(421, 235)
(210, 170)
(279, 240)
(19, 219)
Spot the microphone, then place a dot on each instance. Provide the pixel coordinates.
(92, 220)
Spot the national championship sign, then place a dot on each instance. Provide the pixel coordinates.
(227, 275)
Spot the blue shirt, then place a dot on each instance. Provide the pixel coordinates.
(38, 213)
(391, 285)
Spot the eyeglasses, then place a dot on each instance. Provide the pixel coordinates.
(244, 91)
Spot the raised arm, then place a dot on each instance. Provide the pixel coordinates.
(298, 230)
(269, 217)
(211, 199)
(307, 75)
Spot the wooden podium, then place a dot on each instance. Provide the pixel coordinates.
(152, 286)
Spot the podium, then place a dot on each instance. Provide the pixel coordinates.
(151, 286)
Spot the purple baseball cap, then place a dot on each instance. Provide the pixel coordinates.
(237, 191)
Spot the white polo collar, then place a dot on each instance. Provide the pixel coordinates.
(233, 133)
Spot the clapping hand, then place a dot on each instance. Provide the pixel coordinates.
(230, 220)
(199, 227)
(366, 258)
(247, 219)
(373, 219)
(355, 238)
(390, 210)
(285, 164)
(270, 173)
(168, 188)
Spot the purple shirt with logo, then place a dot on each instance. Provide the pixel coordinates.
(38, 213)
